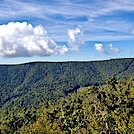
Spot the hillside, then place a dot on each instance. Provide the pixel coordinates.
(31, 83)
(106, 109)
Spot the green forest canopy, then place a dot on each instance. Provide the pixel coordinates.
(106, 109)
(30, 84)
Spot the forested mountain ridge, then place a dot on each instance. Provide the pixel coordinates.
(31, 83)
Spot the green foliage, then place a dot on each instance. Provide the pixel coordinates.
(11, 121)
(106, 109)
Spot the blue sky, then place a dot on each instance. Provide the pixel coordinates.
(64, 30)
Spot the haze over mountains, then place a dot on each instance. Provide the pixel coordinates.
(30, 84)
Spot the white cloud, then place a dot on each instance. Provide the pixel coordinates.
(72, 34)
(46, 11)
(99, 47)
(23, 40)
(113, 49)
(74, 38)
(108, 51)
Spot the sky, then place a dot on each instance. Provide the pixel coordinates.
(65, 30)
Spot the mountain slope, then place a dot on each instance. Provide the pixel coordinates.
(31, 83)
(106, 109)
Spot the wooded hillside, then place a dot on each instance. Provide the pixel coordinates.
(107, 109)
(30, 84)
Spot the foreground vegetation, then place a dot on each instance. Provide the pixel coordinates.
(32, 83)
(106, 109)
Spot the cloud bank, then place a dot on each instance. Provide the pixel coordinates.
(23, 40)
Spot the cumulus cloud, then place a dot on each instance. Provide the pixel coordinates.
(74, 38)
(109, 51)
(113, 49)
(23, 40)
(99, 47)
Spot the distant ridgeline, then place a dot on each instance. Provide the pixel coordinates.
(26, 84)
